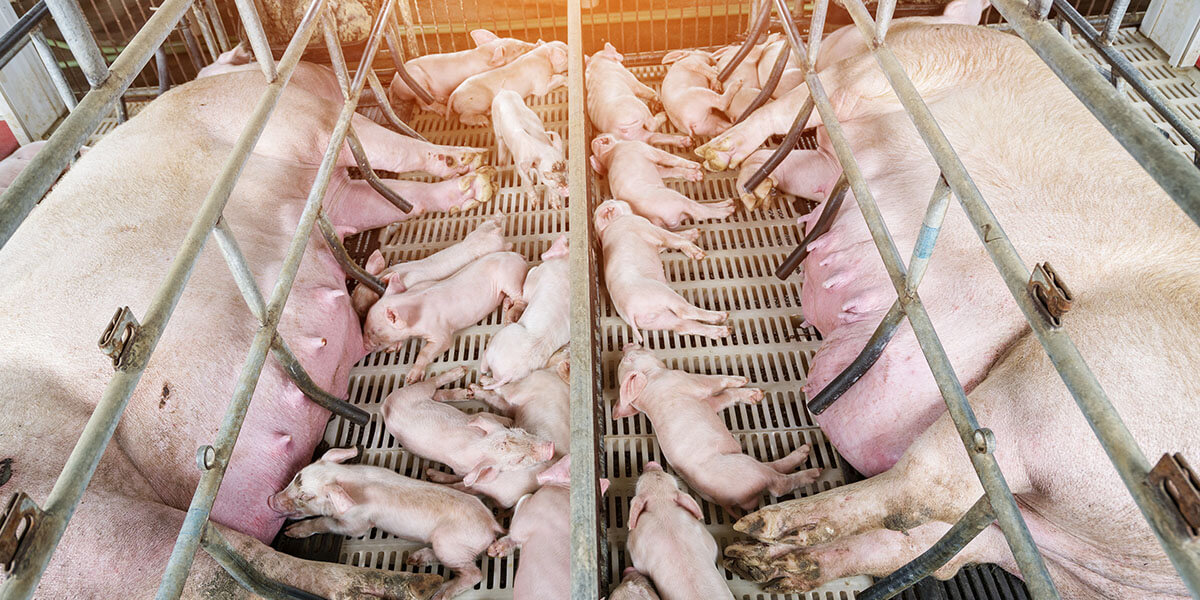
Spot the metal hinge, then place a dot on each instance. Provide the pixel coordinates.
(1050, 293)
(1177, 479)
(118, 336)
(20, 519)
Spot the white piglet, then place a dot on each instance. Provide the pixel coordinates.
(536, 152)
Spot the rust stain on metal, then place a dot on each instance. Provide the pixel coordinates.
(1050, 293)
(1182, 486)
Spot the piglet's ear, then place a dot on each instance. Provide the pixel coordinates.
(339, 455)
(482, 473)
(483, 36)
(635, 510)
(499, 57)
(559, 473)
(376, 263)
(631, 387)
(564, 370)
(557, 249)
(393, 317)
(689, 504)
(393, 283)
(674, 56)
(341, 500)
(604, 483)
(484, 424)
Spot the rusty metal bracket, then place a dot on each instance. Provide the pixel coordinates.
(1179, 481)
(118, 336)
(21, 510)
(1050, 293)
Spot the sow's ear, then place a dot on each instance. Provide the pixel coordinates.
(483, 36)
(339, 455)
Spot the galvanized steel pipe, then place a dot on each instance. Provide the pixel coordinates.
(78, 36)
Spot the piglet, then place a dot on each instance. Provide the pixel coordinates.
(636, 281)
(440, 74)
(692, 95)
(485, 239)
(478, 447)
(535, 73)
(351, 499)
(793, 73)
(635, 173)
(536, 152)
(616, 102)
(434, 312)
(668, 541)
(684, 409)
(634, 586)
(745, 75)
(544, 323)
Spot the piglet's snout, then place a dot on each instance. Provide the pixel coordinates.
(653, 466)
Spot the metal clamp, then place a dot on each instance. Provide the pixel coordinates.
(119, 334)
(1050, 293)
(22, 510)
(1177, 479)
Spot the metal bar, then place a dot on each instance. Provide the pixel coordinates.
(192, 45)
(1116, 14)
(970, 525)
(1110, 430)
(385, 104)
(830, 211)
(78, 36)
(164, 72)
(196, 18)
(14, 39)
(1121, 65)
(240, 268)
(343, 258)
(1033, 568)
(785, 148)
(760, 24)
(81, 464)
(935, 213)
(51, 63)
(246, 574)
(210, 482)
(883, 18)
(772, 82)
(816, 32)
(214, 17)
(253, 30)
(585, 360)
(1178, 177)
(393, 42)
(43, 170)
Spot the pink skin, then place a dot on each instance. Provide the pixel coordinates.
(634, 586)
(893, 421)
(793, 73)
(808, 174)
(543, 325)
(634, 275)
(536, 152)
(351, 499)
(130, 201)
(635, 175)
(535, 73)
(485, 239)
(692, 95)
(436, 311)
(684, 410)
(668, 541)
(440, 74)
(745, 76)
(617, 102)
(227, 61)
(477, 447)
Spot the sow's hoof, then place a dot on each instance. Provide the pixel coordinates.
(478, 188)
(780, 569)
(390, 585)
(788, 522)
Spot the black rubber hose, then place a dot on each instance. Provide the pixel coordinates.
(861, 364)
(789, 144)
(772, 82)
(394, 49)
(756, 29)
(793, 260)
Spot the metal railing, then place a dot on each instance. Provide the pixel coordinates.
(1172, 171)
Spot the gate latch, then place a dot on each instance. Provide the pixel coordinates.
(1180, 483)
(1049, 293)
(19, 520)
(115, 341)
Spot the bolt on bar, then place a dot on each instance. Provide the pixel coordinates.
(81, 464)
(78, 36)
(210, 482)
(1110, 430)
(586, 540)
(1032, 567)
(28, 188)
(1179, 178)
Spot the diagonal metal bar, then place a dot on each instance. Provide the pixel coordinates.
(772, 82)
(828, 214)
(393, 42)
(756, 30)
(1124, 452)
(78, 35)
(210, 482)
(785, 148)
(1017, 534)
(385, 104)
(252, 26)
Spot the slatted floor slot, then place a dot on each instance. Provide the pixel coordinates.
(531, 228)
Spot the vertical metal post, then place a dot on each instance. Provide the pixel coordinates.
(586, 542)
(257, 37)
(196, 18)
(1116, 14)
(883, 17)
(44, 52)
(214, 17)
(69, 19)
(816, 31)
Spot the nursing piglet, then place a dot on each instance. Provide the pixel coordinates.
(636, 281)
(478, 447)
(485, 239)
(617, 102)
(634, 586)
(351, 499)
(668, 541)
(684, 409)
(440, 74)
(635, 172)
(435, 312)
(692, 95)
(536, 152)
(535, 73)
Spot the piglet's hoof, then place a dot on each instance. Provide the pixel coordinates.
(788, 522)
(780, 569)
